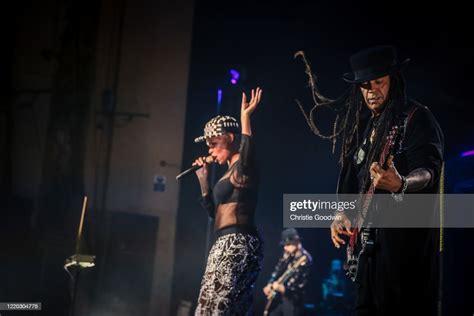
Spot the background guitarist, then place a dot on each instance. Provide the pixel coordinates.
(289, 300)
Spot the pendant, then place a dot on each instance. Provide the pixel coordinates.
(360, 156)
(372, 136)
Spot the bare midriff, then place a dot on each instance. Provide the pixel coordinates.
(226, 215)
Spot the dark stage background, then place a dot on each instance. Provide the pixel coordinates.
(258, 39)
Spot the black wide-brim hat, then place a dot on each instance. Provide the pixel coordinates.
(373, 63)
(289, 236)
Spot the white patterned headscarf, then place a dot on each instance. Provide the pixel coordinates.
(219, 126)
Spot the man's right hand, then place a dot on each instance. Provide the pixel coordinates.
(340, 226)
(267, 289)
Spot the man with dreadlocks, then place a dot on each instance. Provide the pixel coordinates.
(400, 274)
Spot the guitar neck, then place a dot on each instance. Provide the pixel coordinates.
(285, 276)
(291, 270)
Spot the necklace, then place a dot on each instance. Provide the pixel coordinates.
(373, 133)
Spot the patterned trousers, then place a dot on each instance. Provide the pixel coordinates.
(232, 269)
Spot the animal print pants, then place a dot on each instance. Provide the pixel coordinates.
(232, 269)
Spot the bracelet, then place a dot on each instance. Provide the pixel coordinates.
(403, 187)
(398, 196)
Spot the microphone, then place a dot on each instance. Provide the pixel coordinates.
(209, 159)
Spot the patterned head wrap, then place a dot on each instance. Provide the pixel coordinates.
(219, 126)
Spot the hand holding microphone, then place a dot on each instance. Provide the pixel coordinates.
(200, 166)
(203, 164)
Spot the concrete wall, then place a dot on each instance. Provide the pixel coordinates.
(153, 78)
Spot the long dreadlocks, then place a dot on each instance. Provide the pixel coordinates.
(348, 108)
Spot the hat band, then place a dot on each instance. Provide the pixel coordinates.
(367, 72)
(290, 240)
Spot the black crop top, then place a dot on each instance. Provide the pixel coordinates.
(238, 185)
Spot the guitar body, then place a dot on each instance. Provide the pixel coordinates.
(364, 249)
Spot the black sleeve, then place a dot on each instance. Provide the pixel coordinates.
(347, 182)
(423, 143)
(294, 287)
(280, 267)
(247, 154)
(208, 204)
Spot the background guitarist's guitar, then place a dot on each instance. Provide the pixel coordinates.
(290, 271)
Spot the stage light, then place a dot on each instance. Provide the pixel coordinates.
(234, 76)
(467, 153)
(219, 96)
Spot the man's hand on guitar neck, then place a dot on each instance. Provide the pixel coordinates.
(275, 286)
(340, 226)
(278, 287)
(267, 289)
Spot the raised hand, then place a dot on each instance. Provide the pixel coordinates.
(249, 107)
